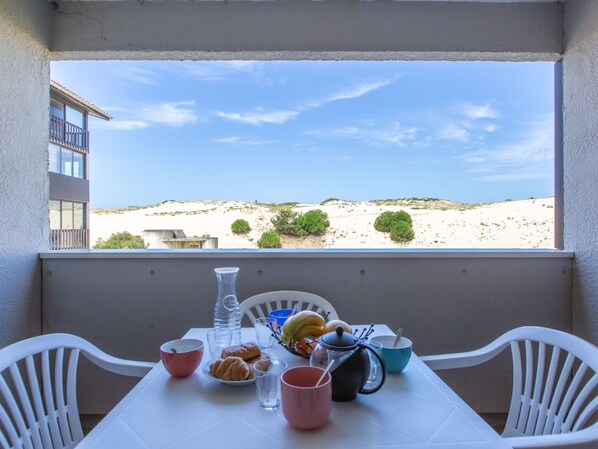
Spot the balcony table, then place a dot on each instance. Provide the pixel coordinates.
(415, 409)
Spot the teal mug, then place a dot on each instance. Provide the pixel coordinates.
(396, 359)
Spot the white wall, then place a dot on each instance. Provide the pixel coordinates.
(580, 165)
(24, 105)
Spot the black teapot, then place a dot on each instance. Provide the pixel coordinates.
(351, 369)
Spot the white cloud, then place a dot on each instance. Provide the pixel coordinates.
(173, 114)
(393, 134)
(138, 75)
(490, 128)
(112, 108)
(530, 158)
(219, 70)
(476, 112)
(259, 116)
(123, 125)
(170, 114)
(450, 131)
(352, 92)
(236, 140)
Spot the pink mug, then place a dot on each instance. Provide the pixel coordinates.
(181, 357)
(304, 405)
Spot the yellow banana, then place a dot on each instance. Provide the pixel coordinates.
(303, 324)
(310, 330)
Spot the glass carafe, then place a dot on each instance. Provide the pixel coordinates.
(226, 311)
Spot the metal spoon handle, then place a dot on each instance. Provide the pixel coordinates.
(325, 371)
(398, 337)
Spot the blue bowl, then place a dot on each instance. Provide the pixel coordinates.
(280, 315)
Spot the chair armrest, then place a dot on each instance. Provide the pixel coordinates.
(124, 367)
(467, 359)
(115, 365)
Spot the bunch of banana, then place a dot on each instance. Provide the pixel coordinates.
(302, 325)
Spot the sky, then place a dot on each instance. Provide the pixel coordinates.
(306, 131)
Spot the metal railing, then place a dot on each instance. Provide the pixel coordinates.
(69, 239)
(67, 134)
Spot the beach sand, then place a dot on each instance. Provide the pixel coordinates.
(437, 223)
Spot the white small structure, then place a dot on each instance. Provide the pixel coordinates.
(176, 239)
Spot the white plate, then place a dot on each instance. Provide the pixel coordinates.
(236, 383)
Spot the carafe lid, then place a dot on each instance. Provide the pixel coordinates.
(339, 340)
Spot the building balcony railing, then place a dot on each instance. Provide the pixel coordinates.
(69, 239)
(67, 134)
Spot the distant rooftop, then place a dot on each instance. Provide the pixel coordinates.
(73, 97)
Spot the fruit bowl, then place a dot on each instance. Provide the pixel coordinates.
(276, 334)
(301, 348)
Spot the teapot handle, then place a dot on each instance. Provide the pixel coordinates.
(382, 365)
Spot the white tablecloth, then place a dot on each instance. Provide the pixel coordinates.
(414, 409)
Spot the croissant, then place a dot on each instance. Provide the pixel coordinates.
(246, 351)
(262, 361)
(230, 368)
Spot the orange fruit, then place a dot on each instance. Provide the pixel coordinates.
(305, 346)
(332, 325)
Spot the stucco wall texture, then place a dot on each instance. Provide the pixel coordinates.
(580, 162)
(24, 88)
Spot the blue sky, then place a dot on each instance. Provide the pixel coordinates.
(306, 131)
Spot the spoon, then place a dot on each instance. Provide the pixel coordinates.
(325, 371)
(398, 337)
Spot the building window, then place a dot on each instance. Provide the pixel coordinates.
(78, 161)
(54, 158)
(54, 214)
(75, 117)
(78, 216)
(57, 109)
(66, 162)
(67, 215)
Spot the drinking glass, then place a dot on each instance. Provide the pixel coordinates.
(373, 362)
(267, 381)
(218, 339)
(263, 333)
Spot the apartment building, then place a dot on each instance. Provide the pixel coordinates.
(69, 167)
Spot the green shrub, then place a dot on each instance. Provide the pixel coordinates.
(269, 239)
(285, 222)
(401, 231)
(240, 226)
(313, 222)
(121, 240)
(385, 220)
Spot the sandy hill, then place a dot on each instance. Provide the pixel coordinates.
(437, 223)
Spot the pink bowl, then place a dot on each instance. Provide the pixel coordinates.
(303, 405)
(181, 357)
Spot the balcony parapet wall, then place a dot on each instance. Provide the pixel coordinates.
(129, 302)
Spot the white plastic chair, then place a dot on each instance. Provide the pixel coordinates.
(34, 373)
(260, 305)
(552, 400)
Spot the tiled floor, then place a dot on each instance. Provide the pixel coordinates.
(495, 420)
(88, 422)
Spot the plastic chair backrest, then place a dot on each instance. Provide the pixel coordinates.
(38, 390)
(260, 305)
(554, 382)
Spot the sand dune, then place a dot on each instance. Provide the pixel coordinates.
(437, 223)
